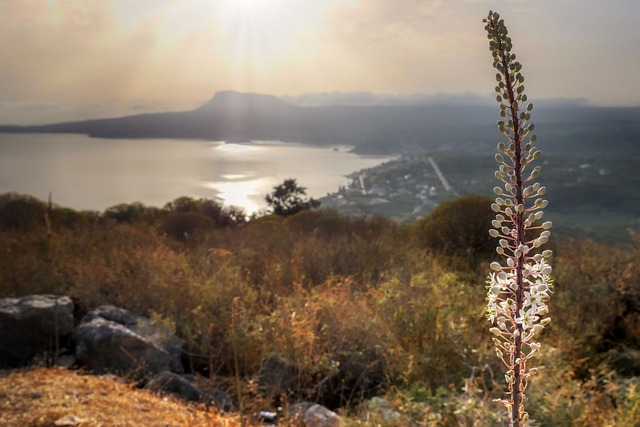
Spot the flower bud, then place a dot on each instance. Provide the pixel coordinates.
(547, 225)
(493, 233)
(547, 254)
(545, 321)
(495, 266)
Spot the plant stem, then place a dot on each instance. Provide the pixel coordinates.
(510, 81)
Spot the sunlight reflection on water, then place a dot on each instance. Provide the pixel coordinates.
(240, 193)
(94, 174)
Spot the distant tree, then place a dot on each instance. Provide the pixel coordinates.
(289, 198)
(224, 216)
(125, 212)
(184, 204)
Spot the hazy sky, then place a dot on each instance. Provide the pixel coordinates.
(70, 59)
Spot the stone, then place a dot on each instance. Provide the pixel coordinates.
(182, 387)
(277, 376)
(106, 346)
(319, 416)
(29, 326)
(296, 413)
(169, 382)
(381, 408)
(155, 348)
(217, 398)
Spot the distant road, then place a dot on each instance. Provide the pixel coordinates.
(441, 176)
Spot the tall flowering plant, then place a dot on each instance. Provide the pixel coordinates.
(519, 286)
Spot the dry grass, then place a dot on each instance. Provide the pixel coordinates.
(39, 397)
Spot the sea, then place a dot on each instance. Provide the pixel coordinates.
(85, 173)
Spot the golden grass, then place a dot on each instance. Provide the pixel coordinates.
(39, 397)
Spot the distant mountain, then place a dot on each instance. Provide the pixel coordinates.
(563, 128)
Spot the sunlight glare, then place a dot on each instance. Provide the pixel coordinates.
(244, 194)
(235, 148)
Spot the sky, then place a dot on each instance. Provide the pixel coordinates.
(77, 59)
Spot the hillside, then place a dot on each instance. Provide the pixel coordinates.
(364, 308)
(564, 129)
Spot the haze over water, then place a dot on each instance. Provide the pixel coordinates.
(86, 173)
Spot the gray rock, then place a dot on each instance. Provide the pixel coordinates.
(296, 413)
(180, 386)
(319, 416)
(382, 409)
(155, 336)
(106, 346)
(29, 326)
(169, 382)
(217, 398)
(278, 376)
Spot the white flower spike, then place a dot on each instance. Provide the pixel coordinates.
(519, 287)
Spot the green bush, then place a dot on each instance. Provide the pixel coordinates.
(459, 227)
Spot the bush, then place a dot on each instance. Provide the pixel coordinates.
(20, 212)
(185, 226)
(459, 227)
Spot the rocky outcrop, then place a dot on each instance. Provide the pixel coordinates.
(33, 325)
(112, 339)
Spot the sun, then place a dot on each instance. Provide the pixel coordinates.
(255, 30)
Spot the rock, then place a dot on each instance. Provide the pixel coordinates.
(169, 382)
(217, 398)
(319, 416)
(381, 408)
(278, 376)
(30, 326)
(359, 373)
(106, 346)
(180, 386)
(296, 413)
(134, 343)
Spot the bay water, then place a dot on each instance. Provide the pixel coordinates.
(87, 173)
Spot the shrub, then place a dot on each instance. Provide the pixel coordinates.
(20, 212)
(184, 226)
(459, 227)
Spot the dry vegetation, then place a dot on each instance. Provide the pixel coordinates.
(364, 307)
(42, 397)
